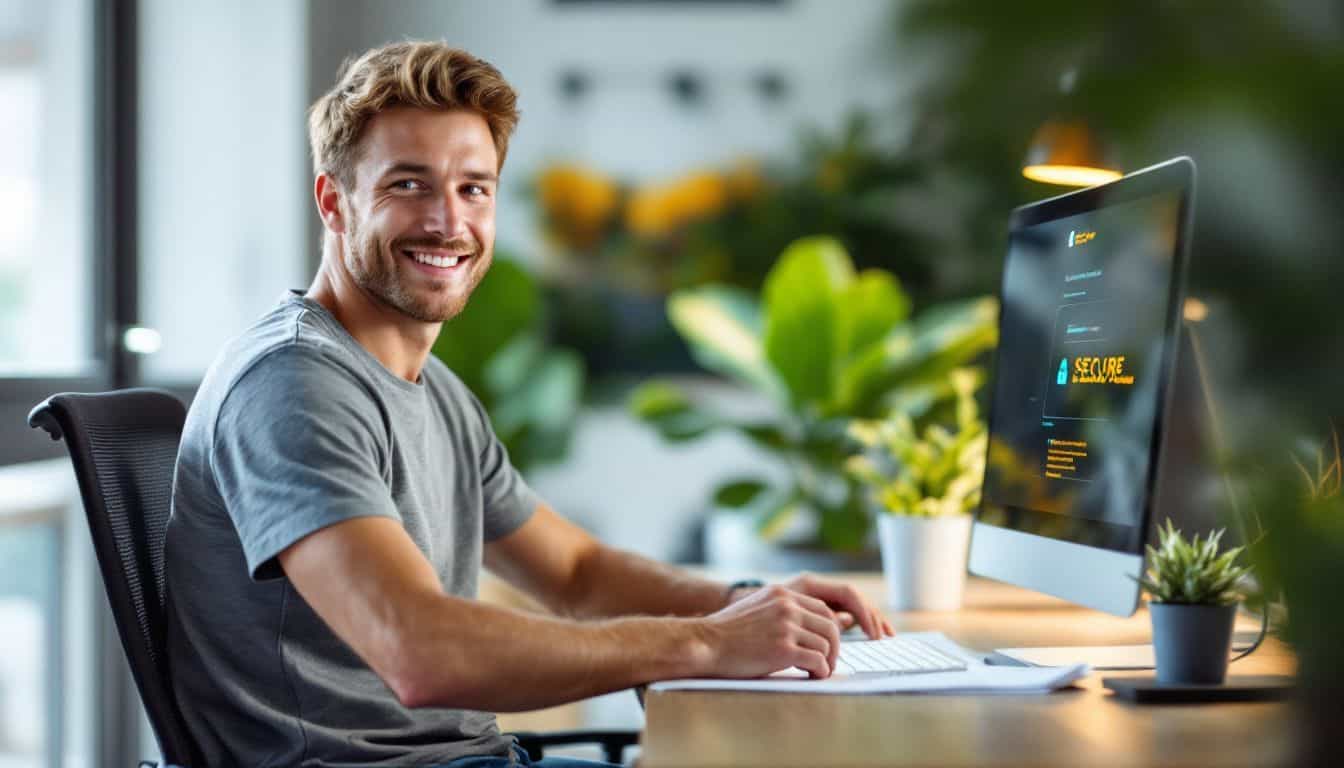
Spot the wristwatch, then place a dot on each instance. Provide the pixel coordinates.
(741, 584)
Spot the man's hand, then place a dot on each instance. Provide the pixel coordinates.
(770, 629)
(849, 606)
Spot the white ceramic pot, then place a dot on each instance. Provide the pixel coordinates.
(924, 560)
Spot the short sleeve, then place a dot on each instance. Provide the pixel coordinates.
(509, 501)
(298, 445)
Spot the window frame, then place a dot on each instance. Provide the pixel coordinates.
(112, 256)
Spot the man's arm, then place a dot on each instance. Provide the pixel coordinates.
(573, 574)
(377, 592)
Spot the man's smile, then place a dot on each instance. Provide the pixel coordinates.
(436, 261)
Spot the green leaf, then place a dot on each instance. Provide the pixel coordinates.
(768, 436)
(666, 408)
(548, 398)
(509, 368)
(655, 400)
(803, 328)
(722, 326)
(505, 304)
(774, 518)
(869, 309)
(936, 342)
(739, 493)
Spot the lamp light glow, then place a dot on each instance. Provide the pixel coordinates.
(1195, 311)
(141, 341)
(1069, 154)
(1070, 175)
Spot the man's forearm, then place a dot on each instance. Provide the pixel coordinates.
(470, 655)
(612, 582)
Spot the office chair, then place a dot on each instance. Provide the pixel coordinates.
(123, 445)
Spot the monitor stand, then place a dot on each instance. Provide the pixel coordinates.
(1104, 657)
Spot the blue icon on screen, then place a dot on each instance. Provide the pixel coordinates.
(1063, 377)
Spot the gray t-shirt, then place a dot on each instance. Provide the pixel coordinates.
(296, 427)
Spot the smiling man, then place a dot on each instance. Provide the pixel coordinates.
(338, 489)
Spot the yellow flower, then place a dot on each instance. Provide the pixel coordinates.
(656, 211)
(578, 203)
(745, 180)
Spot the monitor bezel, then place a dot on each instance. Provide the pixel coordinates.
(1173, 176)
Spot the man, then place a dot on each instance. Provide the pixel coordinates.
(338, 489)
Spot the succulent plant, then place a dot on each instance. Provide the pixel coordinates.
(1192, 571)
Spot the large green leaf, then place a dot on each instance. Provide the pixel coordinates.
(506, 303)
(869, 309)
(666, 408)
(547, 400)
(918, 352)
(722, 326)
(803, 327)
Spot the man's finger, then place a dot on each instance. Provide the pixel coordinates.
(812, 661)
(846, 598)
(811, 640)
(828, 630)
(816, 607)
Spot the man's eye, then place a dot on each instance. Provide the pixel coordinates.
(475, 190)
(409, 184)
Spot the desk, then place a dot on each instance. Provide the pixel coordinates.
(1068, 728)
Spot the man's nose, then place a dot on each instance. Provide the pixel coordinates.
(448, 217)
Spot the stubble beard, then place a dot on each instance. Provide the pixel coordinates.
(379, 272)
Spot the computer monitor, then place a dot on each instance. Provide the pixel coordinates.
(1092, 295)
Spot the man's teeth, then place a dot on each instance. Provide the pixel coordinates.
(435, 261)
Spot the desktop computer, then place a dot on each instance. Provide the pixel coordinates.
(1089, 330)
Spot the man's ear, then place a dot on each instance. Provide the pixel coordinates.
(327, 193)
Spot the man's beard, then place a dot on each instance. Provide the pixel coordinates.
(368, 263)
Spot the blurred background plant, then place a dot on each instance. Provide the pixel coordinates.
(498, 346)
(933, 475)
(824, 344)
(1297, 511)
(1249, 89)
(616, 250)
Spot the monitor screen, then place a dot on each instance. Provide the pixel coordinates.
(1087, 331)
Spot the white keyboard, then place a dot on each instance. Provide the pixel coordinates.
(898, 655)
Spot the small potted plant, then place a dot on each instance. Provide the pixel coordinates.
(924, 488)
(1193, 594)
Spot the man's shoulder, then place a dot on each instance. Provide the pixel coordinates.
(291, 346)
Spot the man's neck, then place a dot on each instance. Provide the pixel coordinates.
(399, 342)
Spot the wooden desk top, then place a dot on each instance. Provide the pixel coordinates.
(1075, 727)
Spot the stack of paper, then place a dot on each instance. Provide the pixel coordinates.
(977, 678)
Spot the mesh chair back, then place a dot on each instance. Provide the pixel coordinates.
(124, 446)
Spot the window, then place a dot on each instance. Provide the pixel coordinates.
(46, 182)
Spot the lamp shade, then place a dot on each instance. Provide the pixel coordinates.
(1067, 153)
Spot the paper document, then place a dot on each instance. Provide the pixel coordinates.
(976, 678)
(1096, 656)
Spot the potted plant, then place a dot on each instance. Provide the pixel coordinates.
(1193, 593)
(823, 345)
(923, 488)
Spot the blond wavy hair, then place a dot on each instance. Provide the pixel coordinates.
(428, 75)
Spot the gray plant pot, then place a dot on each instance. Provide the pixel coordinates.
(1192, 642)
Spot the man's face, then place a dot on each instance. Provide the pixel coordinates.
(420, 219)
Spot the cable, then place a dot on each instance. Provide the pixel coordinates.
(1264, 630)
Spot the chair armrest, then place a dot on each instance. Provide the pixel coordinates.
(613, 742)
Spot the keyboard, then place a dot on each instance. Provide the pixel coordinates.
(898, 655)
